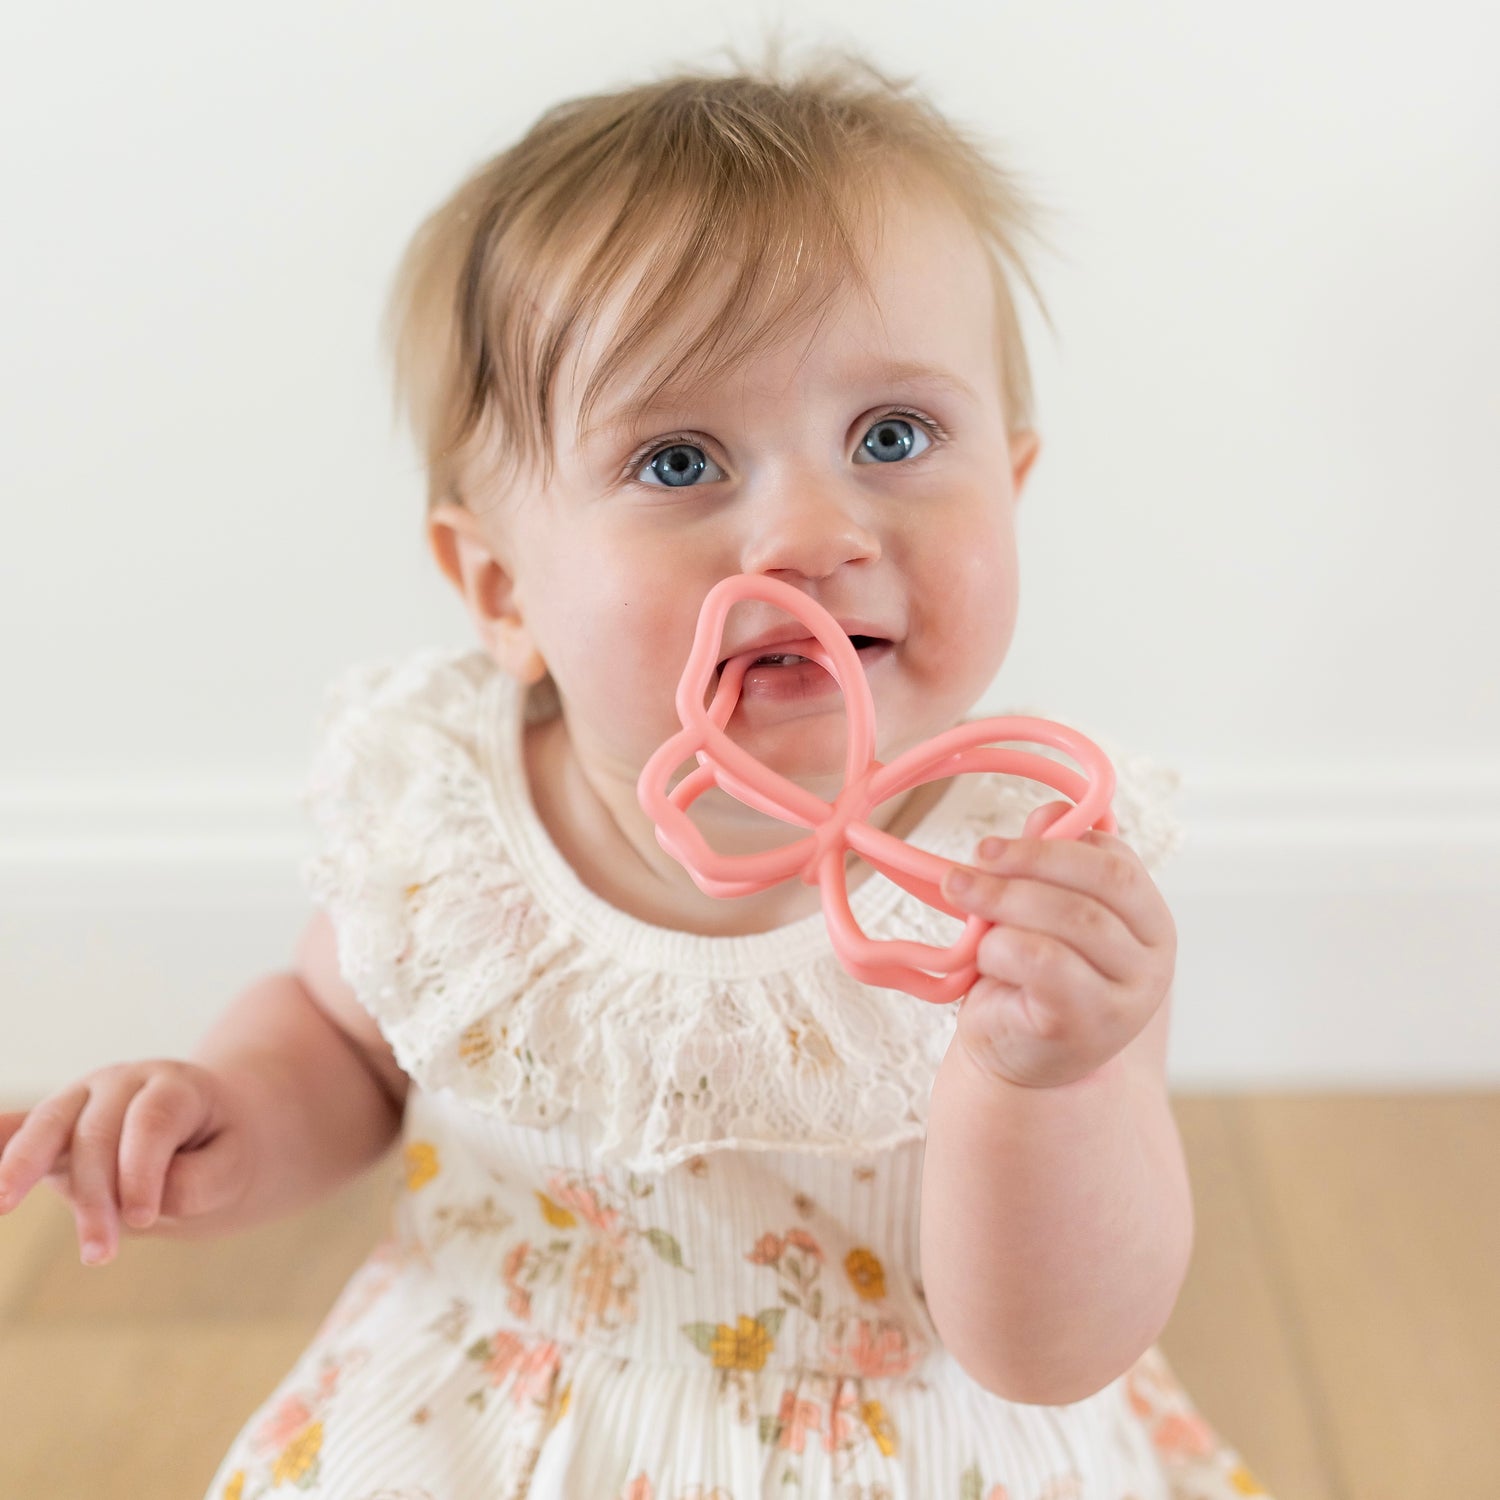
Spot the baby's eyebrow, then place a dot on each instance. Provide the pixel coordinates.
(671, 399)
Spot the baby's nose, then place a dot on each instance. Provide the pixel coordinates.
(809, 529)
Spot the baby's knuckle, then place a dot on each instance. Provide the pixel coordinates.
(49, 1112)
(157, 1112)
(1117, 874)
(991, 952)
(135, 1192)
(1010, 950)
(1091, 918)
(106, 1079)
(1048, 1024)
(95, 1135)
(1040, 955)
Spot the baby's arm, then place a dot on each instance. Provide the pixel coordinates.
(1056, 1220)
(292, 1091)
(1056, 1223)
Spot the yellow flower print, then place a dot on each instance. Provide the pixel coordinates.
(866, 1274)
(812, 1046)
(744, 1347)
(557, 1216)
(298, 1455)
(421, 1160)
(475, 1045)
(1244, 1483)
(236, 1486)
(872, 1414)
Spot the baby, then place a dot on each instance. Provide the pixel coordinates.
(688, 1211)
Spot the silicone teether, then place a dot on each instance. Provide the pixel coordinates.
(929, 973)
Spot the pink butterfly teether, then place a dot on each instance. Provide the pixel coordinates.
(929, 973)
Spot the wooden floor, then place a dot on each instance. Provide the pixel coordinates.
(1341, 1324)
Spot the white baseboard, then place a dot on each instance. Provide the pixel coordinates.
(1336, 932)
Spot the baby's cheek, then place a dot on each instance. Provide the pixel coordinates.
(982, 605)
(633, 653)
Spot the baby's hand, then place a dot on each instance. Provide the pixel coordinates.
(136, 1141)
(1082, 958)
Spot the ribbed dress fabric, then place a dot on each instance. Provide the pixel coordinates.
(657, 1237)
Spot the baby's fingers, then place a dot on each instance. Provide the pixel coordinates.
(36, 1143)
(93, 1169)
(207, 1179)
(167, 1113)
(11, 1120)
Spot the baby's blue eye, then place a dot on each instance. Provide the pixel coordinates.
(890, 440)
(679, 465)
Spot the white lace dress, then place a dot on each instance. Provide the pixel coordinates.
(658, 1238)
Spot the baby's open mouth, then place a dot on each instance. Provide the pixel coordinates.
(786, 658)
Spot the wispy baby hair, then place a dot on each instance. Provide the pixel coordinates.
(766, 173)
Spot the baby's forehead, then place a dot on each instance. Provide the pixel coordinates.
(664, 326)
(879, 322)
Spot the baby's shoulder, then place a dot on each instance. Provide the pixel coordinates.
(387, 695)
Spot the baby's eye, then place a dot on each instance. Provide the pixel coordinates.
(889, 440)
(678, 466)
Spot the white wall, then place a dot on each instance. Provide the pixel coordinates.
(1261, 545)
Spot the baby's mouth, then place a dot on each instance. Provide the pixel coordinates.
(867, 646)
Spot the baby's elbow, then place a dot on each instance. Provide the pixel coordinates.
(1042, 1382)
(1061, 1375)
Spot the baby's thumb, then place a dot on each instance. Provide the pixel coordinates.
(206, 1179)
(1040, 819)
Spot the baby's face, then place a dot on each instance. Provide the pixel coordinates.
(883, 491)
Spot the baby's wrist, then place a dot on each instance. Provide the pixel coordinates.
(976, 1058)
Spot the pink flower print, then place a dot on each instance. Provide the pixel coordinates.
(283, 1423)
(804, 1241)
(639, 1488)
(533, 1365)
(506, 1349)
(1062, 1487)
(797, 1419)
(535, 1372)
(767, 1250)
(519, 1301)
(1183, 1435)
(328, 1382)
(584, 1201)
(998, 1493)
(841, 1428)
(881, 1349)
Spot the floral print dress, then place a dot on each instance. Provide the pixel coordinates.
(657, 1238)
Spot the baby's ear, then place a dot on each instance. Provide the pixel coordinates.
(1024, 447)
(469, 561)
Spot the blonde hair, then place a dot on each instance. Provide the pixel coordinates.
(769, 174)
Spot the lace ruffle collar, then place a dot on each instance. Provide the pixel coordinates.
(499, 977)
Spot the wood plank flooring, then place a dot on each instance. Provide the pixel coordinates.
(1340, 1325)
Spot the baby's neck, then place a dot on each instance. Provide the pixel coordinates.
(614, 852)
